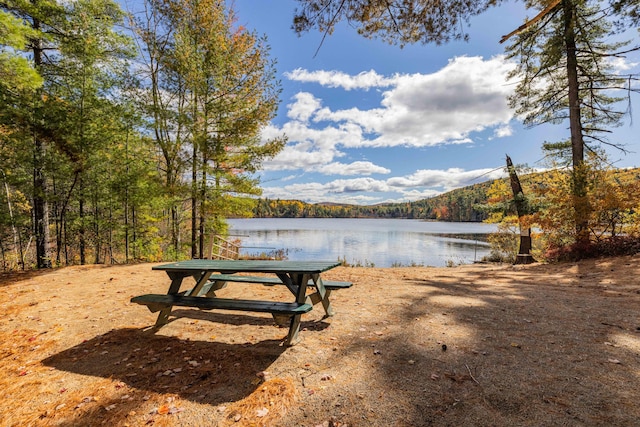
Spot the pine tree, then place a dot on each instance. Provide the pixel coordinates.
(565, 76)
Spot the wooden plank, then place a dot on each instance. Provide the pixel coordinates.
(156, 302)
(273, 281)
(245, 279)
(264, 266)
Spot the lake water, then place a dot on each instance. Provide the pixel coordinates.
(365, 242)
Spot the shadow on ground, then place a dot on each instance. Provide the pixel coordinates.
(241, 319)
(206, 372)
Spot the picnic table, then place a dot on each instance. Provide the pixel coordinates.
(302, 278)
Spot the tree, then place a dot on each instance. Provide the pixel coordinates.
(565, 76)
(219, 90)
(92, 64)
(65, 124)
(394, 21)
(45, 19)
(162, 98)
(16, 70)
(629, 12)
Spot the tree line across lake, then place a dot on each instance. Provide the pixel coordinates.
(460, 205)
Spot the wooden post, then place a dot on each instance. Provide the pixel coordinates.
(524, 253)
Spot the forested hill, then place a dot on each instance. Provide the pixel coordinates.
(456, 205)
(463, 204)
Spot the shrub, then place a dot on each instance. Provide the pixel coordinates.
(613, 246)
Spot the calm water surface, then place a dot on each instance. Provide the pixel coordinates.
(367, 242)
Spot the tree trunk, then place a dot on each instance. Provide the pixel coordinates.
(96, 231)
(203, 198)
(40, 206)
(579, 178)
(81, 230)
(134, 225)
(194, 203)
(17, 239)
(524, 252)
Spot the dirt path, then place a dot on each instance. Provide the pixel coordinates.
(476, 345)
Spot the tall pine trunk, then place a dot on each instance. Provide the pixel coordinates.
(40, 205)
(579, 177)
(194, 203)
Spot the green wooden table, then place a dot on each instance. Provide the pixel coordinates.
(297, 276)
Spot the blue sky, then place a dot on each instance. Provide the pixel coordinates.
(370, 123)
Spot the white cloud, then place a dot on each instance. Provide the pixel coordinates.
(444, 179)
(620, 65)
(364, 80)
(419, 185)
(468, 95)
(304, 107)
(419, 110)
(503, 131)
(355, 168)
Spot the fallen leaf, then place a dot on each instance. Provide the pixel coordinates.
(262, 412)
(616, 361)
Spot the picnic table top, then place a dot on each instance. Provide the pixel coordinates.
(248, 266)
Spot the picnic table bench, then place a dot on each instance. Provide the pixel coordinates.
(298, 277)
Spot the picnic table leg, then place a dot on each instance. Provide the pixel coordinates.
(297, 283)
(294, 328)
(163, 316)
(323, 293)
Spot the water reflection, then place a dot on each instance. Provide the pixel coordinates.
(372, 242)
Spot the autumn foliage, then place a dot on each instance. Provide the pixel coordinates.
(613, 198)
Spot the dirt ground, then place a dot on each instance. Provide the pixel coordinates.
(475, 345)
